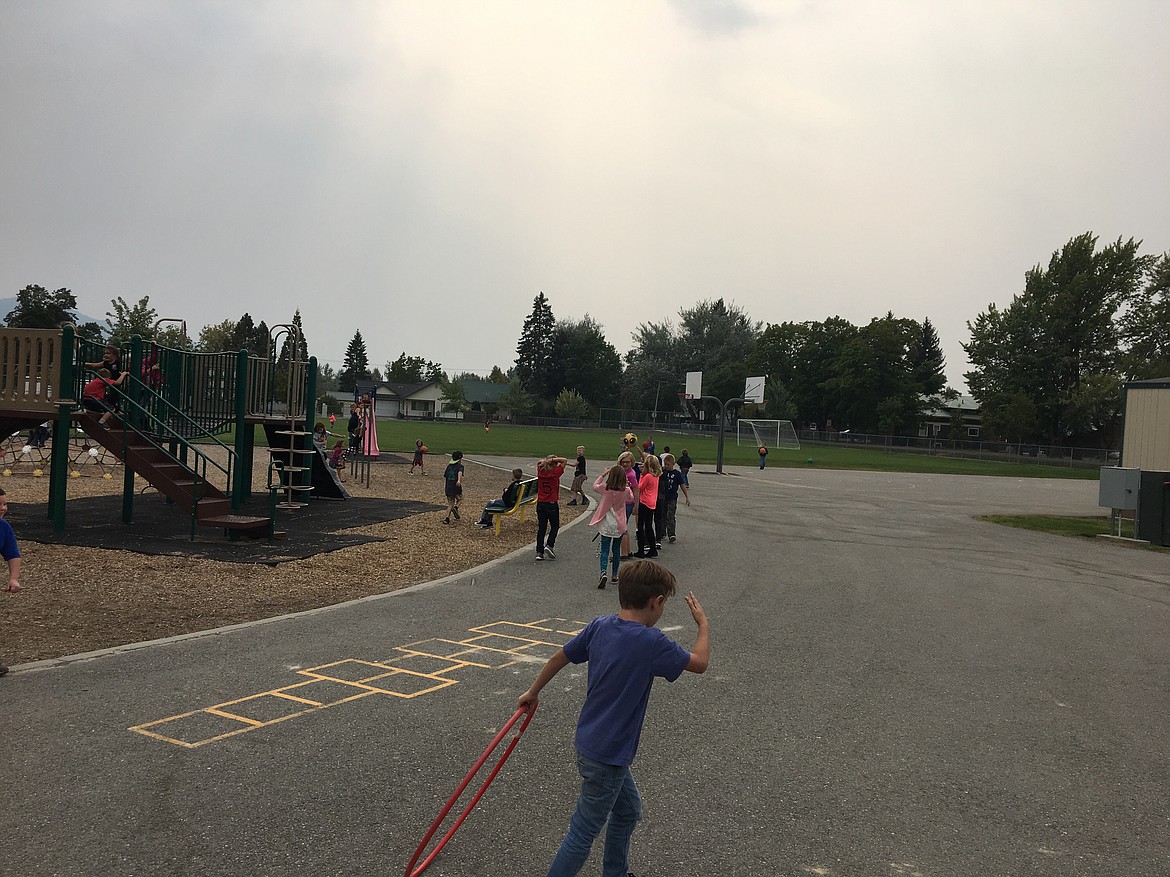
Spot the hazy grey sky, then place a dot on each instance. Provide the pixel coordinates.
(421, 170)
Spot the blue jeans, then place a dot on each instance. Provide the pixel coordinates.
(614, 543)
(607, 792)
(492, 505)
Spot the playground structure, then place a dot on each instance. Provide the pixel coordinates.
(183, 421)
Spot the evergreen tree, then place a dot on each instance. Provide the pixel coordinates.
(927, 360)
(356, 366)
(261, 342)
(286, 346)
(535, 350)
(244, 335)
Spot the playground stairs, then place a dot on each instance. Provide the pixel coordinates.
(174, 480)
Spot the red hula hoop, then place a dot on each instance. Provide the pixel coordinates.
(524, 712)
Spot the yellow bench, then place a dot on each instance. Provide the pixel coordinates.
(525, 497)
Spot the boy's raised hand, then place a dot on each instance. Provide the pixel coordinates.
(696, 608)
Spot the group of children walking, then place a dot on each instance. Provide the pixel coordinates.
(648, 487)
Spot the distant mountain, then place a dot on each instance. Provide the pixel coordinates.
(8, 305)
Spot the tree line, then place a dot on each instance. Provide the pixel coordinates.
(1049, 367)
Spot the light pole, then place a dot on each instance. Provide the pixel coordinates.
(654, 413)
(722, 421)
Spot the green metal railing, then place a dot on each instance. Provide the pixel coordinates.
(160, 433)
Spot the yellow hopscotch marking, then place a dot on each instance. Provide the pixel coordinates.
(505, 650)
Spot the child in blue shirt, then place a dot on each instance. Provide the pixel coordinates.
(625, 653)
(10, 553)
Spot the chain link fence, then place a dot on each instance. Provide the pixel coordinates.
(646, 423)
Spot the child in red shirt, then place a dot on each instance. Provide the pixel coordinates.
(95, 396)
(548, 511)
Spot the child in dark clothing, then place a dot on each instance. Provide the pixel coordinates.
(670, 482)
(453, 485)
(503, 503)
(625, 653)
(579, 479)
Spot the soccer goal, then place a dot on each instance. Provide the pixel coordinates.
(771, 433)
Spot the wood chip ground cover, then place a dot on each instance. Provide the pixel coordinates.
(81, 599)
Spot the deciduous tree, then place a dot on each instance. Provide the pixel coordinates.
(572, 405)
(125, 320)
(1061, 329)
(217, 338)
(412, 370)
(37, 308)
(585, 362)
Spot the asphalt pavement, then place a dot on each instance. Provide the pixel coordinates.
(896, 688)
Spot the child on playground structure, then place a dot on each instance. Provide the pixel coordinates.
(420, 451)
(321, 436)
(503, 503)
(548, 510)
(337, 460)
(10, 553)
(625, 653)
(453, 485)
(111, 361)
(97, 395)
(610, 517)
(579, 478)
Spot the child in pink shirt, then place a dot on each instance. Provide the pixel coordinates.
(610, 516)
(647, 501)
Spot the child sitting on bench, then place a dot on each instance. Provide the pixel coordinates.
(504, 503)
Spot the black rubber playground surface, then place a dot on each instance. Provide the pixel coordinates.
(159, 528)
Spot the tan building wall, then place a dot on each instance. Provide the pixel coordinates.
(1146, 441)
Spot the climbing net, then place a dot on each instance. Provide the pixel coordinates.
(29, 453)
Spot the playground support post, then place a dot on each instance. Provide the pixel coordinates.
(245, 435)
(129, 389)
(310, 413)
(59, 466)
(722, 428)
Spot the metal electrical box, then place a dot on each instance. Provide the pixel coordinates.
(1119, 488)
(1153, 513)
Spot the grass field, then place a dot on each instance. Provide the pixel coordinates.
(1064, 526)
(522, 441)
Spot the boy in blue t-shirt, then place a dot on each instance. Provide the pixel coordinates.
(10, 553)
(625, 652)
